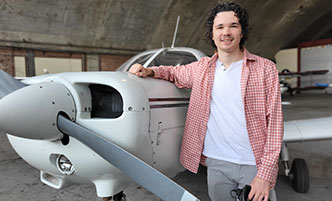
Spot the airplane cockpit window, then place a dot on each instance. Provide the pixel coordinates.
(142, 59)
(173, 58)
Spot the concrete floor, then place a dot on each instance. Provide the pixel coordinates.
(20, 181)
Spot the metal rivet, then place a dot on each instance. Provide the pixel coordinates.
(130, 108)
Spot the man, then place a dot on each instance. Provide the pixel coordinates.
(234, 118)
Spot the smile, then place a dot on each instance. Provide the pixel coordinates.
(227, 39)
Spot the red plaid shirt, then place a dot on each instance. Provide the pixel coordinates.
(260, 91)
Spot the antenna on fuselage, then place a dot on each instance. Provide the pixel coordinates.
(176, 31)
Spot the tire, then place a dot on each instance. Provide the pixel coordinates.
(292, 92)
(300, 178)
(285, 71)
(119, 197)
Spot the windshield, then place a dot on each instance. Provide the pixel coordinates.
(141, 59)
(160, 57)
(173, 58)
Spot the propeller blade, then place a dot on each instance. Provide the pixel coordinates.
(133, 167)
(8, 84)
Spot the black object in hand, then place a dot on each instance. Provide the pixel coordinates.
(242, 194)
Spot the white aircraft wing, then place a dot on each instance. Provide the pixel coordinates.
(308, 130)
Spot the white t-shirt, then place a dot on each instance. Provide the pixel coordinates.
(227, 136)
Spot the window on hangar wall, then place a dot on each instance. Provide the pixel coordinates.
(48, 62)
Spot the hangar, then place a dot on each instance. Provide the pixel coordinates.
(38, 36)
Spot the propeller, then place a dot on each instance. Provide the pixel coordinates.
(31, 112)
(8, 84)
(133, 167)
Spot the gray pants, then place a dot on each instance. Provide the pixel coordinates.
(223, 177)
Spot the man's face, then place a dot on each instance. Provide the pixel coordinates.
(226, 32)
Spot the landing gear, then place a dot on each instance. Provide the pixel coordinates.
(298, 174)
(117, 197)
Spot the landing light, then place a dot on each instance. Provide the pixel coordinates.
(64, 165)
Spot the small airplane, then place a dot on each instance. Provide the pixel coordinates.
(109, 128)
(286, 87)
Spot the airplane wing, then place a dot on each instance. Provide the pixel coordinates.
(308, 130)
(287, 73)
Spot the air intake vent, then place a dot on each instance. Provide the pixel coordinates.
(106, 102)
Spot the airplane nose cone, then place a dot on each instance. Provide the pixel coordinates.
(31, 112)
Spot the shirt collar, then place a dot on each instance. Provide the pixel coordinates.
(247, 56)
(213, 59)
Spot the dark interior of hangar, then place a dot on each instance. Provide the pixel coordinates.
(106, 32)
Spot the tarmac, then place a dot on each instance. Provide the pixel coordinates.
(20, 182)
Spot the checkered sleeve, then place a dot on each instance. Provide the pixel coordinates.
(269, 168)
(182, 76)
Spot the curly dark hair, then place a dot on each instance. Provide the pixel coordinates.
(240, 13)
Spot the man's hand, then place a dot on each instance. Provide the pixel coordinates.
(260, 190)
(140, 71)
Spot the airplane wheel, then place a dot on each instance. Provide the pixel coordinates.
(120, 197)
(300, 176)
(293, 92)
